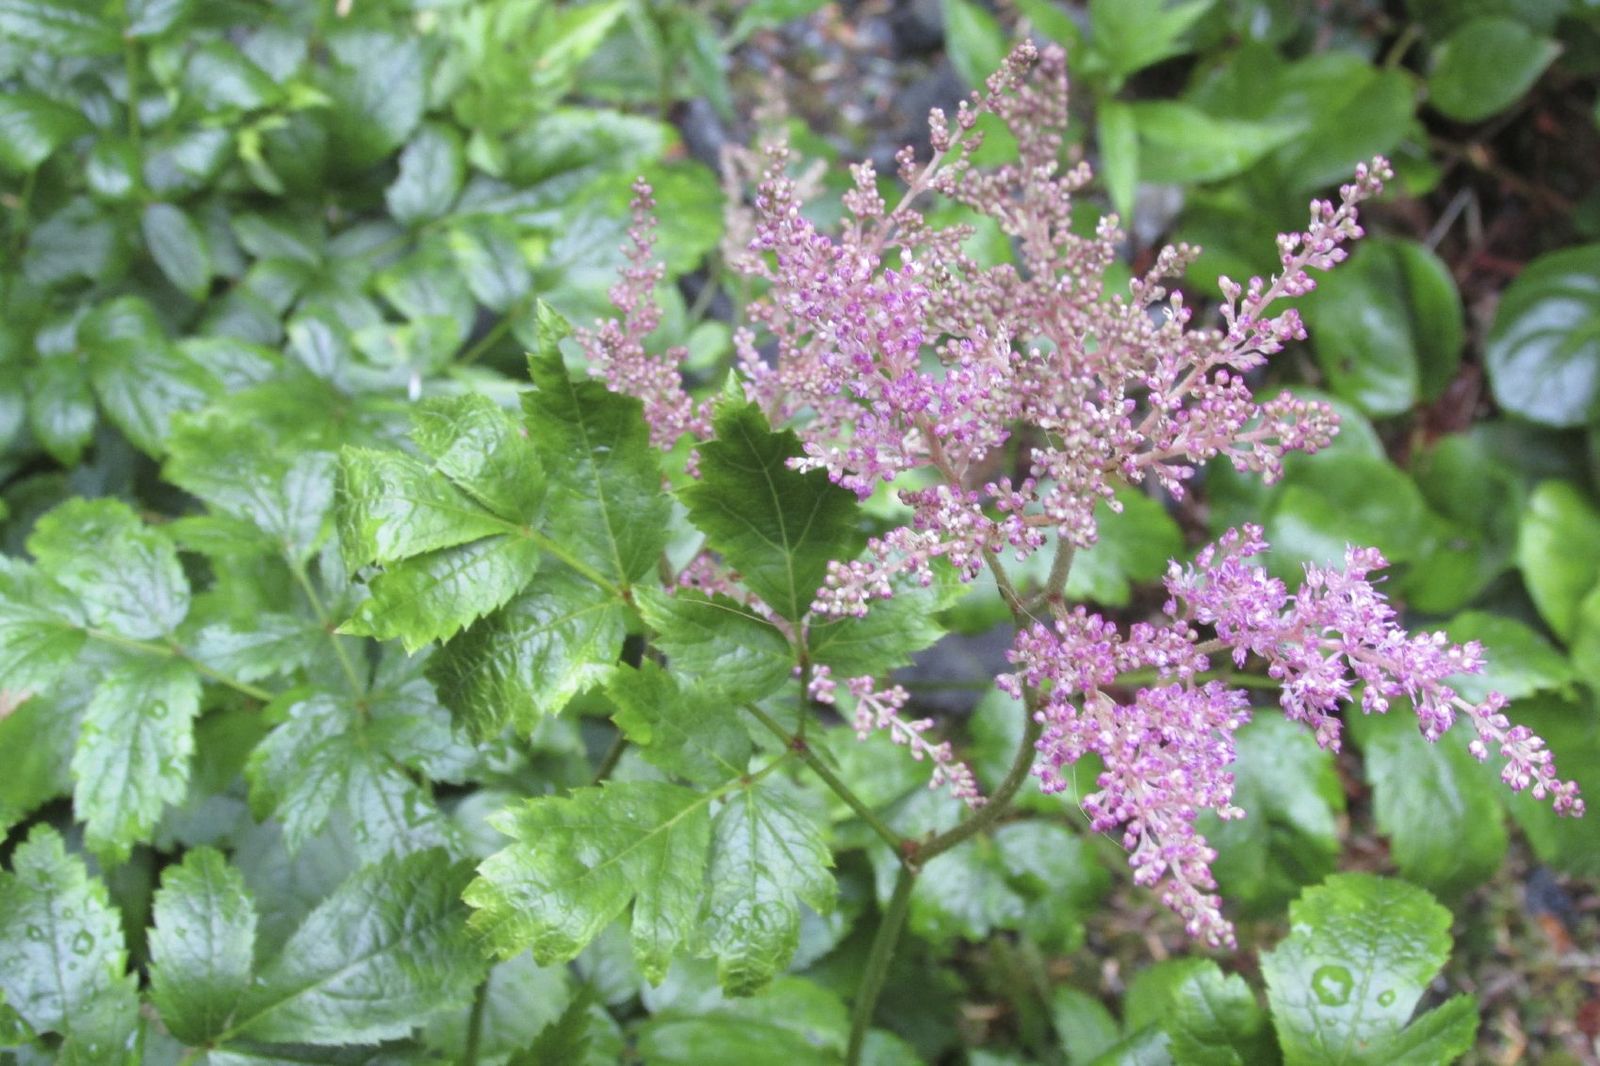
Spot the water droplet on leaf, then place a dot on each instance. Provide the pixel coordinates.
(83, 943)
(35, 933)
(1331, 985)
(1386, 998)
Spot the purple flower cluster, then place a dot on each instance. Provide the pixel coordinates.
(893, 352)
(1167, 750)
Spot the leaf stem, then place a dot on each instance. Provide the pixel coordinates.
(1000, 802)
(798, 746)
(612, 756)
(495, 335)
(357, 688)
(469, 1054)
(176, 651)
(573, 562)
(878, 960)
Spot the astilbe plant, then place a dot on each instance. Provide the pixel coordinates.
(899, 358)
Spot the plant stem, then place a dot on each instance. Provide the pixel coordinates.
(878, 960)
(612, 757)
(1000, 802)
(797, 745)
(130, 65)
(469, 1054)
(493, 337)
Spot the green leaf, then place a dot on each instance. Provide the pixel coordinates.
(1214, 1021)
(36, 642)
(777, 526)
(480, 448)
(59, 27)
(202, 948)
(1485, 66)
(1519, 660)
(1362, 951)
(607, 506)
(152, 18)
(142, 379)
(432, 168)
(529, 658)
(1388, 326)
(767, 14)
(388, 949)
(576, 862)
(793, 1021)
(61, 408)
(392, 507)
(1058, 875)
(219, 77)
(377, 90)
(1355, 111)
(133, 753)
(326, 756)
(37, 737)
(1572, 730)
(1135, 543)
(1440, 811)
(63, 966)
(768, 856)
(973, 40)
(1117, 133)
(1180, 143)
(1083, 1024)
(1558, 550)
(1543, 352)
(435, 595)
(1290, 793)
(179, 249)
(1130, 35)
(126, 573)
(32, 126)
(679, 729)
(717, 644)
(78, 242)
(492, 262)
(891, 633)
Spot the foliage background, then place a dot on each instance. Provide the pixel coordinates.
(241, 237)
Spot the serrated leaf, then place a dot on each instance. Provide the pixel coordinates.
(126, 573)
(491, 261)
(792, 1021)
(777, 526)
(1442, 815)
(1518, 660)
(388, 949)
(63, 966)
(606, 502)
(378, 91)
(1290, 793)
(32, 126)
(37, 642)
(718, 644)
(1084, 1025)
(37, 737)
(179, 248)
(682, 730)
(1214, 1021)
(272, 644)
(767, 858)
(202, 948)
(892, 632)
(322, 758)
(61, 408)
(432, 167)
(1362, 951)
(392, 507)
(479, 447)
(142, 378)
(133, 752)
(530, 657)
(1443, 1034)
(221, 459)
(434, 595)
(576, 862)
(1057, 874)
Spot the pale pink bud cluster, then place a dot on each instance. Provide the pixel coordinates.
(616, 347)
(877, 710)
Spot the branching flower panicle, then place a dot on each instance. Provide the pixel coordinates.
(893, 351)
